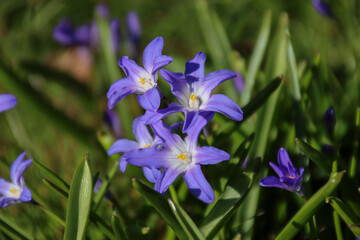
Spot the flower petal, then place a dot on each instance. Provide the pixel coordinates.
(194, 131)
(209, 155)
(285, 162)
(5, 201)
(150, 100)
(64, 33)
(277, 169)
(198, 185)
(153, 117)
(151, 174)
(115, 34)
(141, 132)
(223, 104)
(149, 157)
(17, 169)
(122, 164)
(167, 177)
(132, 70)
(151, 51)
(120, 89)
(160, 62)
(122, 145)
(5, 188)
(171, 141)
(212, 80)
(194, 71)
(25, 195)
(190, 119)
(178, 85)
(7, 101)
(273, 181)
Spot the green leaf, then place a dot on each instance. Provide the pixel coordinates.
(350, 194)
(257, 57)
(12, 230)
(102, 225)
(79, 201)
(117, 227)
(58, 190)
(310, 208)
(345, 213)
(55, 179)
(234, 194)
(186, 222)
(161, 205)
(320, 159)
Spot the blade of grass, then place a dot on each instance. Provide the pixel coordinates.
(12, 230)
(117, 227)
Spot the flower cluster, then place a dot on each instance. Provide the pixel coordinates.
(166, 155)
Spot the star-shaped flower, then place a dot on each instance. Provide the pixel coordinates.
(193, 91)
(142, 81)
(16, 191)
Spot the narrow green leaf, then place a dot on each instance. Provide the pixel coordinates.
(136, 232)
(310, 208)
(55, 179)
(257, 57)
(320, 159)
(79, 201)
(117, 227)
(12, 230)
(350, 194)
(345, 213)
(186, 222)
(234, 194)
(356, 156)
(53, 216)
(102, 225)
(58, 190)
(161, 205)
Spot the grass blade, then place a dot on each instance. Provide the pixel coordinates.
(79, 201)
(13, 231)
(117, 227)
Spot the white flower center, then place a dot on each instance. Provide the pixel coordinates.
(185, 158)
(15, 192)
(146, 83)
(194, 102)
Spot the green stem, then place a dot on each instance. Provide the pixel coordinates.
(173, 194)
(339, 235)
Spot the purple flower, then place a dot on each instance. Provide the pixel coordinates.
(7, 101)
(142, 81)
(330, 120)
(113, 122)
(97, 186)
(143, 140)
(134, 30)
(102, 10)
(239, 82)
(180, 157)
(64, 33)
(323, 8)
(289, 178)
(193, 91)
(16, 191)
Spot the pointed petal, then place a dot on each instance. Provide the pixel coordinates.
(120, 84)
(273, 181)
(171, 141)
(5, 188)
(122, 164)
(149, 157)
(115, 34)
(190, 119)
(141, 132)
(25, 195)
(194, 71)
(7, 101)
(160, 62)
(17, 169)
(153, 117)
(120, 89)
(194, 131)
(209, 155)
(198, 185)
(167, 177)
(178, 85)
(212, 80)
(150, 100)
(151, 174)
(277, 170)
(132, 70)
(285, 162)
(176, 126)
(223, 104)
(151, 51)
(122, 145)
(64, 33)
(6, 202)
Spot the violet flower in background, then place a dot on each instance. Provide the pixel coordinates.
(108, 194)
(142, 81)
(327, 149)
(16, 191)
(330, 120)
(143, 140)
(102, 10)
(180, 157)
(193, 91)
(7, 101)
(134, 31)
(239, 82)
(323, 8)
(112, 120)
(289, 178)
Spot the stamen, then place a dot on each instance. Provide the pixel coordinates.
(13, 191)
(182, 156)
(193, 97)
(194, 101)
(142, 81)
(146, 146)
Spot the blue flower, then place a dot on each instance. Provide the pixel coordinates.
(330, 120)
(143, 140)
(289, 177)
(142, 81)
(134, 31)
(193, 91)
(112, 121)
(7, 101)
(323, 8)
(16, 191)
(108, 194)
(179, 157)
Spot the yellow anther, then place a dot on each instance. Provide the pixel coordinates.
(290, 177)
(142, 81)
(13, 191)
(193, 97)
(182, 156)
(146, 146)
